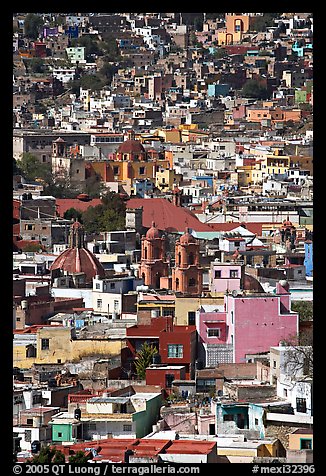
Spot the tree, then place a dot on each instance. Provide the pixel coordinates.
(91, 81)
(36, 65)
(108, 216)
(48, 455)
(79, 458)
(299, 358)
(93, 186)
(31, 168)
(253, 89)
(304, 309)
(32, 25)
(72, 213)
(32, 247)
(144, 359)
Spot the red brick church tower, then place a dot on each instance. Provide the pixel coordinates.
(153, 265)
(187, 276)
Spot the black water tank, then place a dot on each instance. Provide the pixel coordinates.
(35, 446)
(128, 453)
(156, 359)
(77, 413)
(52, 382)
(199, 365)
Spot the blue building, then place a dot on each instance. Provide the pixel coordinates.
(308, 259)
(217, 89)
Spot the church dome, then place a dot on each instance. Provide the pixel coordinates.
(131, 146)
(153, 232)
(187, 238)
(252, 284)
(77, 258)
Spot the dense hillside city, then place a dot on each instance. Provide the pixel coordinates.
(163, 238)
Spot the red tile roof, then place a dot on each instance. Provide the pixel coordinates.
(253, 227)
(63, 204)
(166, 215)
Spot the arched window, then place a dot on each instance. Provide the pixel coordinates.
(145, 252)
(177, 284)
(179, 258)
(157, 280)
(156, 253)
(192, 282)
(143, 276)
(191, 258)
(30, 351)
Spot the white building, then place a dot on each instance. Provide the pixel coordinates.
(290, 371)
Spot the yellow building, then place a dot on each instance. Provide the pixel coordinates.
(166, 179)
(275, 164)
(301, 439)
(56, 344)
(169, 135)
(249, 175)
(150, 306)
(186, 307)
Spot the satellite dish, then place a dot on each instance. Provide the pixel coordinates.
(235, 293)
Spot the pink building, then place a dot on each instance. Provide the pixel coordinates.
(225, 276)
(249, 323)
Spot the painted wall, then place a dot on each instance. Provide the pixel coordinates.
(259, 324)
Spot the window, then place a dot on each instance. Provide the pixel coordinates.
(29, 421)
(115, 305)
(59, 434)
(141, 170)
(217, 273)
(191, 318)
(45, 344)
(234, 273)
(228, 418)
(175, 351)
(192, 282)
(97, 286)
(115, 170)
(112, 285)
(285, 392)
(274, 364)
(127, 427)
(28, 435)
(305, 444)
(256, 421)
(237, 243)
(99, 303)
(301, 405)
(213, 332)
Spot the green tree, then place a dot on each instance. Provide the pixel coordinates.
(32, 25)
(305, 309)
(107, 72)
(144, 359)
(108, 216)
(264, 21)
(31, 168)
(36, 65)
(253, 89)
(91, 81)
(48, 455)
(220, 53)
(72, 213)
(93, 186)
(79, 458)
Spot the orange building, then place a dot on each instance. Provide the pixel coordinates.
(187, 276)
(153, 265)
(130, 162)
(275, 114)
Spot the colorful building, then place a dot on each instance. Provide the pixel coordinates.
(187, 275)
